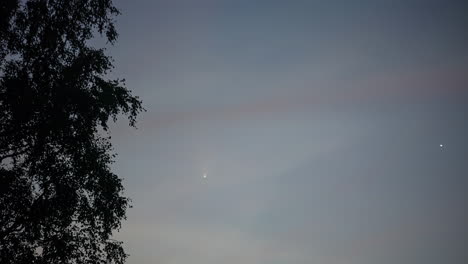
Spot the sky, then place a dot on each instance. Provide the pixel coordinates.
(330, 132)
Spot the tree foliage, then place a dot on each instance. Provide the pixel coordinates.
(59, 200)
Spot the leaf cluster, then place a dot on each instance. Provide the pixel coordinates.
(59, 200)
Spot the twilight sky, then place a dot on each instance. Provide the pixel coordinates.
(318, 124)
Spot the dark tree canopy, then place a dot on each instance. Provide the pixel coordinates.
(59, 200)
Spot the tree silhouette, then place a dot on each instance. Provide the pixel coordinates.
(59, 201)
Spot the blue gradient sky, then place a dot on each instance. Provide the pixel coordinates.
(318, 124)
